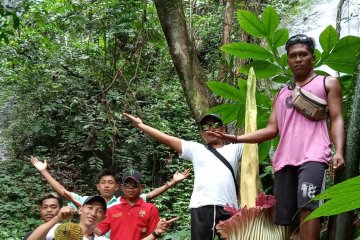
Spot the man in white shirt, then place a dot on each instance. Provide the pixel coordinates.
(214, 185)
(91, 213)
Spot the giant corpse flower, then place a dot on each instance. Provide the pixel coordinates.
(254, 220)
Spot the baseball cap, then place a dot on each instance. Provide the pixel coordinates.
(133, 174)
(96, 198)
(210, 116)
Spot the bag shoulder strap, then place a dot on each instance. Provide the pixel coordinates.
(225, 162)
(326, 91)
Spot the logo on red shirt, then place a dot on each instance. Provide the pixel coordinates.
(142, 213)
(117, 215)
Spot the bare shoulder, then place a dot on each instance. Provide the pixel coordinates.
(332, 83)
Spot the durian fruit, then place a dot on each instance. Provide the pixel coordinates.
(68, 231)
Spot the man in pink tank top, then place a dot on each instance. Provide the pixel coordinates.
(304, 151)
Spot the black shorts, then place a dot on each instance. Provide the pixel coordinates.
(294, 187)
(204, 220)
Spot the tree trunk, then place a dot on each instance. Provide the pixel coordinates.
(339, 16)
(191, 74)
(341, 226)
(226, 38)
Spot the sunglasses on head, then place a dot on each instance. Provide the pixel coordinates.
(298, 38)
(206, 127)
(131, 184)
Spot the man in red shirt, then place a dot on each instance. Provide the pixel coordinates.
(132, 219)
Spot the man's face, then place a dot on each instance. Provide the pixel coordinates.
(107, 186)
(300, 59)
(91, 214)
(49, 209)
(131, 189)
(211, 125)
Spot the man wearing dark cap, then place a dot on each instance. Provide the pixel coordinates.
(91, 213)
(133, 218)
(214, 185)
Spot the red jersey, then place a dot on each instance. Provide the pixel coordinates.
(130, 222)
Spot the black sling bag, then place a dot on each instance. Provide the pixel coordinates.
(225, 162)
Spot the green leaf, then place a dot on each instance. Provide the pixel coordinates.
(280, 37)
(242, 86)
(246, 50)
(264, 149)
(225, 90)
(319, 57)
(263, 100)
(228, 111)
(263, 69)
(280, 79)
(240, 123)
(270, 20)
(343, 57)
(283, 60)
(250, 23)
(321, 72)
(346, 83)
(328, 39)
(344, 197)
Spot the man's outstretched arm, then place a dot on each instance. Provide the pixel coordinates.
(42, 168)
(41, 231)
(171, 141)
(259, 136)
(177, 177)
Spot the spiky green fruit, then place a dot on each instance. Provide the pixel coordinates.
(69, 231)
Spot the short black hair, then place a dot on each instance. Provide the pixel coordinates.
(49, 196)
(302, 39)
(107, 172)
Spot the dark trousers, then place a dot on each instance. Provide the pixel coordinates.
(204, 219)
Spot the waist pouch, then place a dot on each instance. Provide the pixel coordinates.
(309, 105)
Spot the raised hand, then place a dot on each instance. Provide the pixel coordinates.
(177, 177)
(135, 120)
(40, 166)
(65, 212)
(223, 136)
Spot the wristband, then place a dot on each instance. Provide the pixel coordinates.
(167, 184)
(155, 234)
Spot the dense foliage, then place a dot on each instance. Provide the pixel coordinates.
(68, 72)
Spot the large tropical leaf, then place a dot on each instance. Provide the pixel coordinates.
(280, 79)
(228, 111)
(346, 83)
(343, 197)
(225, 90)
(328, 39)
(280, 37)
(343, 57)
(264, 149)
(270, 20)
(250, 23)
(263, 69)
(246, 50)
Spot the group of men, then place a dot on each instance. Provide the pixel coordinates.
(300, 161)
(126, 217)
